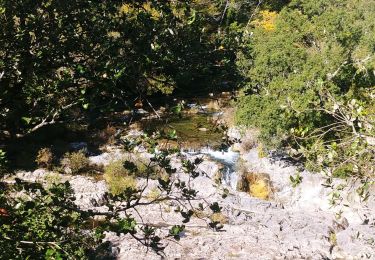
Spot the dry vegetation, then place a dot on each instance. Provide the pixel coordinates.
(256, 184)
(75, 162)
(44, 158)
(107, 135)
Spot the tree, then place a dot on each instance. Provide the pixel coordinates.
(292, 60)
(92, 55)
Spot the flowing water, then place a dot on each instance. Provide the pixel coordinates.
(199, 135)
(228, 159)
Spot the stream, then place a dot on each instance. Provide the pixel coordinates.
(228, 159)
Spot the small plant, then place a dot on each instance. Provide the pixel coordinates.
(218, 177)
(76, 162)
(219, 217)
(257, 184)
(332, 238)
(199, 213)
(2, 157)
(241, 167)
(154, 194)
(107, 135)
(228, 116)
(176, 231)
(52, 179)
(44, 158)
(296, 180)
(119, 178)
(262, 153)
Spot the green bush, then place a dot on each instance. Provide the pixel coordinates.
(118, 177)
(310, 83)
(43, 224)
(76, 162)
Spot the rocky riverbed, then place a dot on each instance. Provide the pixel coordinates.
(293, 223)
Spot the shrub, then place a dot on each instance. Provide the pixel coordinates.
(262, 152)
(3, 160)
(214, 105)
(260, 189)
(218, 176)
(76, 162)
(309, 94)
(241, 167)
(118, 177)
(44, 158)
(228, 116)
(154, 194)
(199, 213)
(257, 184)
(52, 179)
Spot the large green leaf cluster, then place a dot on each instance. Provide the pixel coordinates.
(39, 223)
(314, 45)
(310, 84)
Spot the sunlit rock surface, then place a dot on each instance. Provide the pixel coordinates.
(296, 223)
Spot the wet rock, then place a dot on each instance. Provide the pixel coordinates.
(76, 146)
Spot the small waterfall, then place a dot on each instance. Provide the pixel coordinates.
(227, 158)
(190, 151)
(230, 176)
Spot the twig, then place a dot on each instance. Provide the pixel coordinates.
(153, 108)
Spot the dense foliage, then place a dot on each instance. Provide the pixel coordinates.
(41, 222)
(95, 55)
(310, 87)
(69, 60)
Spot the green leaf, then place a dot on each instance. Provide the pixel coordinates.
(215, 207)
(26, 120)
(172, 135)
(176, 230)
(177, 109)
(126, 225)
(192, 17)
